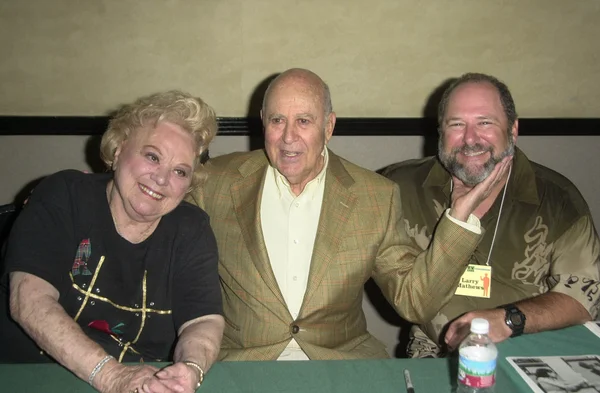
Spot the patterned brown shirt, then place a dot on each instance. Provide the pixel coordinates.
(546, 239)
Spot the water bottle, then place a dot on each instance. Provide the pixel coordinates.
(477, 360)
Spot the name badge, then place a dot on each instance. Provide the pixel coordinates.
(476, 281)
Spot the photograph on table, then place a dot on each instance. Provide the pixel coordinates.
(559, 374)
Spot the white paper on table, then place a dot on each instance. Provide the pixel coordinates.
(594, 327)
(559, 374)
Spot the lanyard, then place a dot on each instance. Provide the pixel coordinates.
(499, 213)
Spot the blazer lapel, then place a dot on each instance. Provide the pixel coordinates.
(337, 207)
(246, 195)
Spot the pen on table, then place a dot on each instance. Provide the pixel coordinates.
(409, 386)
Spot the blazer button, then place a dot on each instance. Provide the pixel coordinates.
(295, 329)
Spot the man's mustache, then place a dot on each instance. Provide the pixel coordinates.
(471, 148)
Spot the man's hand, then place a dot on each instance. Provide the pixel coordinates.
(465, 199)
(177, 377)
(460, 327)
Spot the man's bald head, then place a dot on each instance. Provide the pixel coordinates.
(309, 80)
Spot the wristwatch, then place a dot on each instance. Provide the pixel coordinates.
(514, 319)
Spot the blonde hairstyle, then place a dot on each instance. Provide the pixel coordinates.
(190, 113)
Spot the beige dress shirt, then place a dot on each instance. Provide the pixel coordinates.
(289, 225)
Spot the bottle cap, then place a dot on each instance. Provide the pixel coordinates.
(480, 326)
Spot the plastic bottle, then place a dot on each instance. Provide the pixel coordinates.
(477, 360)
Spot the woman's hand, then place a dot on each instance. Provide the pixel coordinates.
(120, 378)
(177, 377)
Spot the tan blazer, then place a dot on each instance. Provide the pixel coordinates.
(360, 235)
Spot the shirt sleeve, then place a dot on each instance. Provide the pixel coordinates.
(418, 283)
(576, 263)
(473, 224)
(197, 290)
(40, 242)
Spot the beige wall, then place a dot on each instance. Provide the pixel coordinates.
(382, 58)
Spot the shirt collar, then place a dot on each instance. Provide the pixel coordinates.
(283, 184)
(522, 185)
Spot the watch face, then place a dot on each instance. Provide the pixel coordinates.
(516, 319)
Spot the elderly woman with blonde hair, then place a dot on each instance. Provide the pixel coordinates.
(111, 268)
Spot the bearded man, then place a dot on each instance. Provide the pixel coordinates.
(539, 248)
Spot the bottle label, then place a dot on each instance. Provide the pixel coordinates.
(476, 373)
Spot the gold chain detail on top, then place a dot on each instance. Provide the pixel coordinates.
(87, 293)
(144, 310)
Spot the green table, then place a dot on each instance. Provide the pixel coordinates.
(352, 376)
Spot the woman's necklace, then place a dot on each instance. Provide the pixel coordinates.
(135, 236)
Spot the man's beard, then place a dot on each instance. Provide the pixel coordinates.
(472, 177)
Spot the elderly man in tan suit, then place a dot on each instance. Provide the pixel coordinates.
(300, 230)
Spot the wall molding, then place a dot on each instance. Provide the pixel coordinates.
(353, 126)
